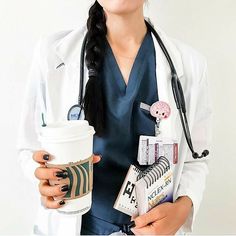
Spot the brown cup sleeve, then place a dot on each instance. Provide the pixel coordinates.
(80, 177)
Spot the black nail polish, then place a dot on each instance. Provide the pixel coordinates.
(62, 202)
(65, 173)
(46, 157)
(64, 188)
(61, 174)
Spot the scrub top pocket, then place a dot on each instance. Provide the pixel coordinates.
(145, 122)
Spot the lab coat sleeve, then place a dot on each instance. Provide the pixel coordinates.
(193, 177)
(27, 141)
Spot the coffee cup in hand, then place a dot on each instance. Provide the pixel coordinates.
(71, 145)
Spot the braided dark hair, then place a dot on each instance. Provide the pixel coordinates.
(94, 103)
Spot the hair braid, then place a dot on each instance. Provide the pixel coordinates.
(94, 106)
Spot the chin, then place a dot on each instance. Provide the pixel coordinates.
(121, 7)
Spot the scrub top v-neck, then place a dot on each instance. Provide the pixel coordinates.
(125, 122)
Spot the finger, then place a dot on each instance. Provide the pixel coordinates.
(96, 158)
(61, 197)
(59, 181)
(49, 202)
(159, 227)
(133, 217)
(42, 157)
(149, 217)
(52, 191)
(44, 173)
(164, 226)
(147, 230)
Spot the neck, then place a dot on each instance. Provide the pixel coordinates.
(126, 28)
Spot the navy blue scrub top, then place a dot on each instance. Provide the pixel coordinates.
(125, 122)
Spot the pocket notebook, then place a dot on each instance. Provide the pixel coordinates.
(154, 185)
(126, 200)
(142, 190)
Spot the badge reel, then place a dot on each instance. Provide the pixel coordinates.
(152, 147)
(161, 111)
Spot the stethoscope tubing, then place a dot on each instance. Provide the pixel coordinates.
(175, 84)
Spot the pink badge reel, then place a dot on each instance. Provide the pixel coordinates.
(160, 110)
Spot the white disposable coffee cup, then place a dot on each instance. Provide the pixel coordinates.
(69, 142)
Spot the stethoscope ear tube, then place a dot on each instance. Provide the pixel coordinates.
(175, 91)
(82, 56)
(181, 96)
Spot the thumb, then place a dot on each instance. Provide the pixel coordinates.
(96, 158)
(147, 218)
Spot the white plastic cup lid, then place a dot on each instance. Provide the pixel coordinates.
(66, 130)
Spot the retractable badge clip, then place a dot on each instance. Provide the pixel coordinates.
(160, 110)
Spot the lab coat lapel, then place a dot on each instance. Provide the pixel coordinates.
(169, 127)
(68, 51)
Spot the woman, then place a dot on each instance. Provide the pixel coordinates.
(124, 63)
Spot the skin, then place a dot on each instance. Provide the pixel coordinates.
(126, 30)
(164, 219)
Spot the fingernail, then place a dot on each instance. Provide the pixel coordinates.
(62, 202)
(64, 188)
(46, 157)
(61, 174)
(65, 174)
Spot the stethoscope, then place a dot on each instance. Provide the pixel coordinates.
(75, 111)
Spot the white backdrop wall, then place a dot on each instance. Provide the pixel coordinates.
(209, 26)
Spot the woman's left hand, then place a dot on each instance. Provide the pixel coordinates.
(165, 218)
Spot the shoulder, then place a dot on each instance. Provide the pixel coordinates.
(190, 55)
(47, 41)
(50, 39)
(47, 44)
(190, 62)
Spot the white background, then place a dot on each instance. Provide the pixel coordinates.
(209, 26)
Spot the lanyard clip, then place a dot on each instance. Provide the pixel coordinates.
(157, 127)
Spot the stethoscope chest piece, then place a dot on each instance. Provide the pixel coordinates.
(74, 112)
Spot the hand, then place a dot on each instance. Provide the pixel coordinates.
(165, 218)
(52, 196)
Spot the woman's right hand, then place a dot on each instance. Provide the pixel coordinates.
(44, 174)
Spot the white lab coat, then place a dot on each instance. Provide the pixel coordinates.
(53, 91)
